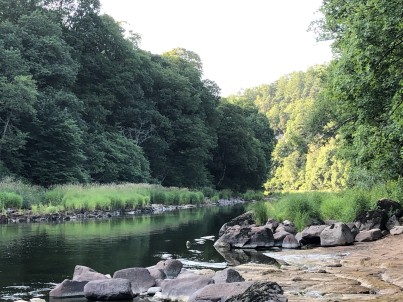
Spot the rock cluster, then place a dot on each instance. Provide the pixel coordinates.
(166, 281)
(242, 232)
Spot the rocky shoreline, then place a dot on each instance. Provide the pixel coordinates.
(26, 216)
(166, 281)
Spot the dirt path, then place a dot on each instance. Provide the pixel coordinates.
(371, 271)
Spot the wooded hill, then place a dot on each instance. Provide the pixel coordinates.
(341, 125)
(81, 102)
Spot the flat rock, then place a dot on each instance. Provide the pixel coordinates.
(182, 288)
(108, 290)
(370, 235)
(219, 292)
(68, 289)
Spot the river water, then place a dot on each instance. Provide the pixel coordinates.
(34, 257)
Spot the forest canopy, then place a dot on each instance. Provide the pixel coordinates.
(81, 102)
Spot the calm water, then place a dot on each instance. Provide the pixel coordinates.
(33, 257)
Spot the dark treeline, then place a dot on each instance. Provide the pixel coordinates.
(81, 102)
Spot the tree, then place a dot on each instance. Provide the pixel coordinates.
(364, 94)
(242, 157)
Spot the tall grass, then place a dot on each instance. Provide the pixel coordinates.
(92, 197)
(302, 208)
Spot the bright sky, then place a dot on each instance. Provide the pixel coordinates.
(242, 44)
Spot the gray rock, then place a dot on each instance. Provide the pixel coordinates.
(68, 289)
(156, 273)
(242, 220)
(227, 275)
(219, 292)
(263, 291)
(84, 273)
(353, 228)
(397, 230)
(336, 234)
(139, 277)
(290, 242)
(108, 290)
(172, 268)
(311, 235)
(370, 235)
(272, 224)
(182, 288)
(259, 237)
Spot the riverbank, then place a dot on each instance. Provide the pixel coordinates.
(27, 216)
(369, 271)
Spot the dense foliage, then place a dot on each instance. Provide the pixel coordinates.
(81, 102)
(341, 125)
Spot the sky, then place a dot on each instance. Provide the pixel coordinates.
(242, 43)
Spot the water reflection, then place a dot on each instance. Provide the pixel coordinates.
(38, 255)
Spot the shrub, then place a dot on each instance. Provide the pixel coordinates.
(260, 212)
(10, 200)
(252, 195)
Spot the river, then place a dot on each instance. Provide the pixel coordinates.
(34, 257)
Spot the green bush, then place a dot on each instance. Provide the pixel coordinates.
(260, 211)
(226, 194)
(10, 200)
(252, 195)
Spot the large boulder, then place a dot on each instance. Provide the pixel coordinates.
(336, 234)
(182, 288)
(139, 277)
(311, 234)
(84, 273)
(108, 290)
(374, 219)
(242, 220)
(263, 291)
(219, 292)
(370, 235)
(272, 224)
(68, 289)
(246, 237)
(170, 267)
(227, 275)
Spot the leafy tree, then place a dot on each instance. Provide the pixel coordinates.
(241, 160)
(363, 96)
